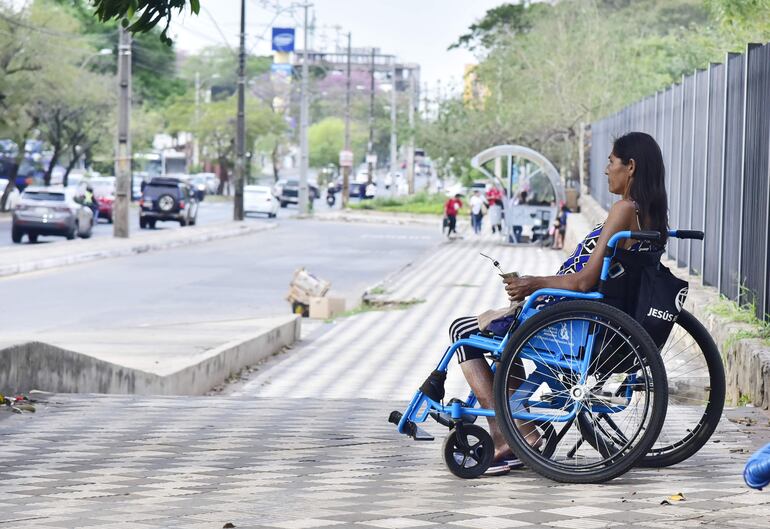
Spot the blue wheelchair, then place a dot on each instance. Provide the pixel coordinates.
(592, 382)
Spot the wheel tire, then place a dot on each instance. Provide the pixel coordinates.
(73, 232)
(16, 234)
(477, 447)
(645, 436)
(151, 223)
(166, 203)
(183, 222)
(32, 237)
(142, 223)
(193, 221)
(681, 449)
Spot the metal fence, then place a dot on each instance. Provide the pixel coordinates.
(714, 131)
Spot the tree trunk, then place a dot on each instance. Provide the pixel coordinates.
(223, 176)
(274, 156)
(14, 172)
(51, 164)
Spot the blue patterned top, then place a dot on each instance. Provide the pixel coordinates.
(582, 253)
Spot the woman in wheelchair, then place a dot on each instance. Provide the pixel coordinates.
(635, 171)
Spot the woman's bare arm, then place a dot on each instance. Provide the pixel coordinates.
(621, 217)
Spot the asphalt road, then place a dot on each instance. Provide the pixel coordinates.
(210, 212)
(234, 278)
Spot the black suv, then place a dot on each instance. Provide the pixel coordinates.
(167, 199)
(287, 192)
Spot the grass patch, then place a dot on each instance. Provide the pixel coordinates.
(732, 312)
(377, 291)
(419, 203)
(373, 307)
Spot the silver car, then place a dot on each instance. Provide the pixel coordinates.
(50, 211)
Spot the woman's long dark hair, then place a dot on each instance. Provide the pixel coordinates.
(649, 186)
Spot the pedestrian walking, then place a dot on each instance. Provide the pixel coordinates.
(89, 200)
(477, 211)
(495, 211)
(560, 228)
(451, 208)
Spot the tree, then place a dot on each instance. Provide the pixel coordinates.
(216, 131)
(501, 22)
(40, 49)
(142, 16)
(326, 140)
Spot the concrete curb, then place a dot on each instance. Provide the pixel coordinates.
(746, 361)
(23, 260)
(37, 365)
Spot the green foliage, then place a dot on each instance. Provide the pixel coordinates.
(545, 69)
(419, 203)
(500, 22)
(326, 140)
(142, 16)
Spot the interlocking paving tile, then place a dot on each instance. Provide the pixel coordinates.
(257, 462)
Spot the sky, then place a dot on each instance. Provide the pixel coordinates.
(416, 31)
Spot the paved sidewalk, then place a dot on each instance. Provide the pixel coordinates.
(306, 443)
(199, 463)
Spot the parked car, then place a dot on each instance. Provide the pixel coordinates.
(13, 197)
(212, 182)
(50, 211)
(104, 191)
(287, 191)
(167, 199)
(259, 199)
(199, 185)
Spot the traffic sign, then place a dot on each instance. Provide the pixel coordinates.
(346, 158)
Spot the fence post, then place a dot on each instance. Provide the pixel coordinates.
(749, 47)
(705, 172)
(723, 176)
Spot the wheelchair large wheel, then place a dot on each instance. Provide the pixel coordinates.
(696, 393)
(578, 366)
(469, 453)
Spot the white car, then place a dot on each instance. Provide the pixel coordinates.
(260, 199)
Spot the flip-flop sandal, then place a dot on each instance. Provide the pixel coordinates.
(498, 468)
(514, 463)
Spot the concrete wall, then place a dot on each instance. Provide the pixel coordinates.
(746, 361)
(37, 365)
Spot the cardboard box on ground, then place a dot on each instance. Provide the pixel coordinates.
(327, 307)
(307, 296)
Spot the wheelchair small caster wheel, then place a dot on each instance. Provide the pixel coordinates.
(468, 451)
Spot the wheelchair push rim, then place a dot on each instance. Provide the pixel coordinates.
(696, 393)
(578, 366)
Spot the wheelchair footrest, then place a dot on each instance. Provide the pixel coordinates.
(410, 428)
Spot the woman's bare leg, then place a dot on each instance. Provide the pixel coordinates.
(480, 378)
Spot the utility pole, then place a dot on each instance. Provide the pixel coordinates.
(410, 148)
(240, 127)
(346, 169)
(370, 146)
(303, 124)
(123, 147)
(393, 138)
(196, 143)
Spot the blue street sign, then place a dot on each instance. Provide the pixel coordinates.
(283, 39)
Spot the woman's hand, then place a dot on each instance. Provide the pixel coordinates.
(518, 288)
